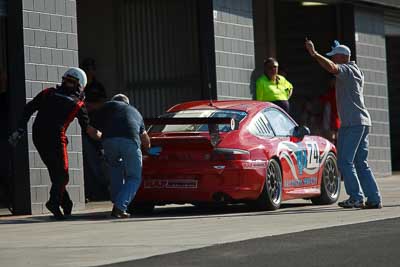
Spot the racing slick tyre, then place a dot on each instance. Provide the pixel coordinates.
(142, 208)
(330, 182)
(271, 195)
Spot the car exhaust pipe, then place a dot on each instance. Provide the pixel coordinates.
(221, 197)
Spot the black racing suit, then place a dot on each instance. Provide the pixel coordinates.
(57, 108)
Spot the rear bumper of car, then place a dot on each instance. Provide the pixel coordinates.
(180, 182)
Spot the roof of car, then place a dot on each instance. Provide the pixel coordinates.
(242, 105)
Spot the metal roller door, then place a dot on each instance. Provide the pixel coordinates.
(392, 32)
(392, 23)
(158, 53)
(294, 22)
(3, 8)
(4, 157)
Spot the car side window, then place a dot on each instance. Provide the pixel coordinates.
(260, 127)
(280, 122)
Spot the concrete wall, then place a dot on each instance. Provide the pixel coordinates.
(51, 46)
(234, 48)
(371, 57)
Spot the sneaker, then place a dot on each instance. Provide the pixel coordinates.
(67, 208)
(369, 205)
(350, 203)
(119, 214)
(55, 209)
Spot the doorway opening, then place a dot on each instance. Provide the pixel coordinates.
(5, 160)
(294, 23)
(149, 50)
(393, 69)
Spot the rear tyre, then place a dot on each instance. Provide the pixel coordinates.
(330, 183)
(142, 208)
(271, 195)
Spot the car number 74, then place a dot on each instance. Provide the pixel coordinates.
(312, 155)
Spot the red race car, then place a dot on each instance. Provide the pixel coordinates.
(234, 151)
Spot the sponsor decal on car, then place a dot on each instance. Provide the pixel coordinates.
(308, 157)
(170, 184)
(301, 156)
(301, 182)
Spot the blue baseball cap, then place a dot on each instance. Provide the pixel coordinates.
(339, 49)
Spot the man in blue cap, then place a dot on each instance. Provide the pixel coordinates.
(355, 127)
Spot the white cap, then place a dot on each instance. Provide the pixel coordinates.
(339, 49)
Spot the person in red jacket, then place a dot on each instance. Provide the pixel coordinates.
(57, 107)
(331, 121)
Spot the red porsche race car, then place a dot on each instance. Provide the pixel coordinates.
(231, 152)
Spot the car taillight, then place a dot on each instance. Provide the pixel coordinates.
(230, 154)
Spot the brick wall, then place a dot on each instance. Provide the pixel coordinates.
(371, 57)
(234, 48)
(51, 46)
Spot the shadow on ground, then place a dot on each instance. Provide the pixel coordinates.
(187, 213)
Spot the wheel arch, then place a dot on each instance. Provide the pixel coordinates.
(275, 157)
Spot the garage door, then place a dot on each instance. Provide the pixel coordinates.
(3, 7)
(159, 56)
(293, 23)
(392, 23)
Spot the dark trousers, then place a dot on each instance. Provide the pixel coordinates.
(53, 152)
(284, 104)
(96, 180)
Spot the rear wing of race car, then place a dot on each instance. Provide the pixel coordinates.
(212, 123)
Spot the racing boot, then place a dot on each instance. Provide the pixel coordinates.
(55, 209)
(67, 207)
(66, 204)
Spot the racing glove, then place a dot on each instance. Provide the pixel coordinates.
(16, 136)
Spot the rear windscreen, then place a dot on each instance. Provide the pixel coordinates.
(203, 113)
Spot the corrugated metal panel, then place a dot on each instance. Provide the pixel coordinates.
(3, 7)
(392, 3)
(159, 53)
(392, 23)
(294, 23)
(393, 67)
(3, 44)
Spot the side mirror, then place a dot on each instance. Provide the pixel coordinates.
(234, 124)
(301, 131)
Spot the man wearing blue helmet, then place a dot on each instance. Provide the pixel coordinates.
(57, 108)
(355, 126)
